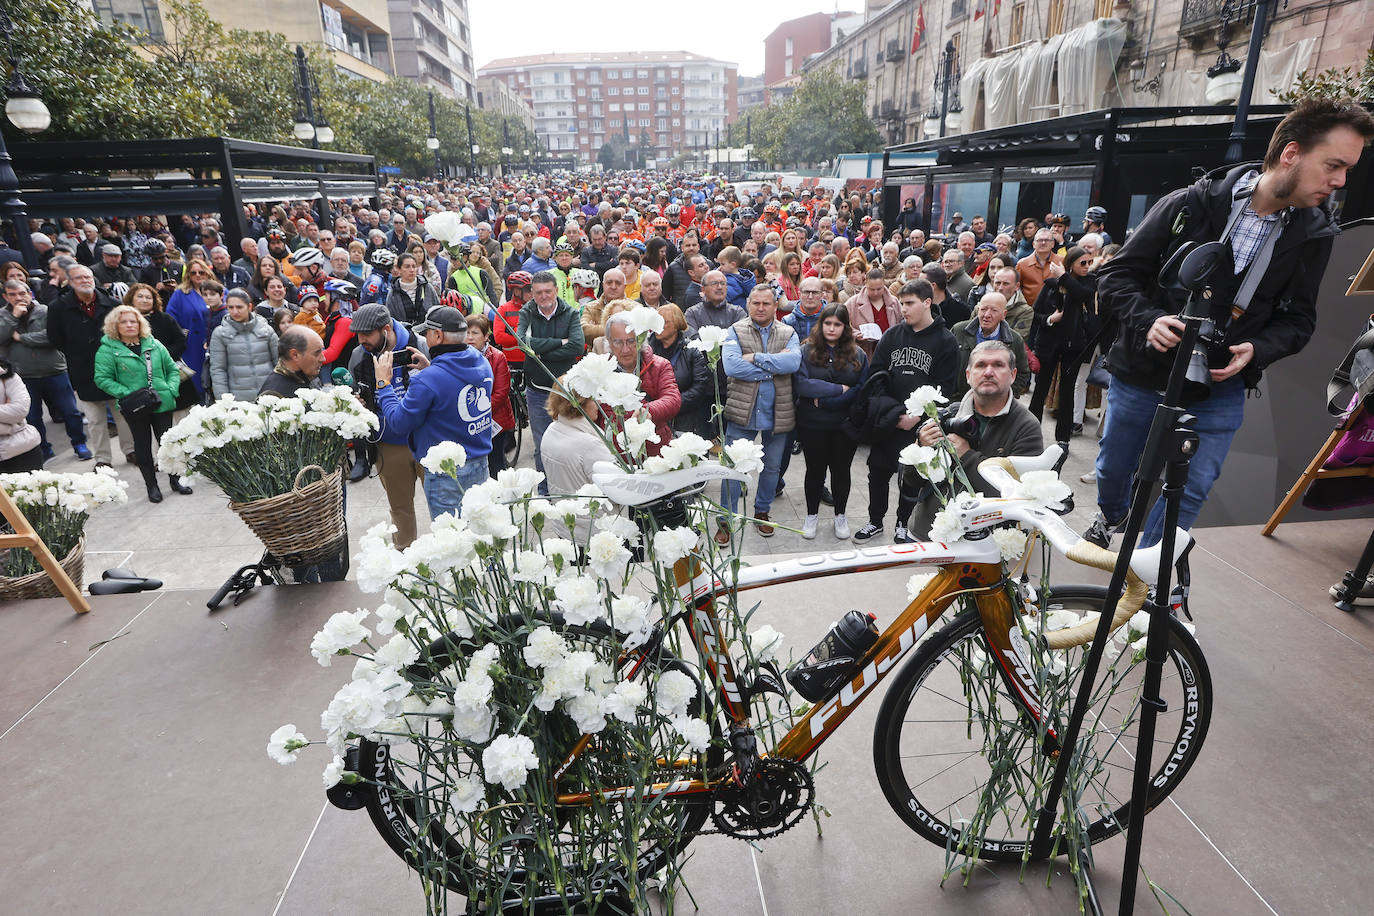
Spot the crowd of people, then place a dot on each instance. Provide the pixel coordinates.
(830, 320)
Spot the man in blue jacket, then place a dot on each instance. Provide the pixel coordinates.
(378, 332)
(449, 401)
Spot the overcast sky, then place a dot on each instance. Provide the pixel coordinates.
(723, 29)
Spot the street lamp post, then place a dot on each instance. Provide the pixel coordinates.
(309, 124)
(473, 148)
(26, 111)
(432, 141)
(505, 149)
(1236, 144)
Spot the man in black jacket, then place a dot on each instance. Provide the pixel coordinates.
(599, 256)
(676, 279)
(1275, 219)
(76, 325)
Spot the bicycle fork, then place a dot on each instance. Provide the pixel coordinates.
(1013, 655)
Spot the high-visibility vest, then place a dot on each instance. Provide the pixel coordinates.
(463, 281)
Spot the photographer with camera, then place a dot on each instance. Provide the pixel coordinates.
(988, 423)
(1277, 224)
(378, 333)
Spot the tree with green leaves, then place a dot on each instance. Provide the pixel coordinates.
(1335, 83)
(823, 118)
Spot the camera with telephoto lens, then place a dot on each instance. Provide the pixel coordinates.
(953, 424)
(1190, 271)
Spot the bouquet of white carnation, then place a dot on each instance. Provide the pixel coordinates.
(57, 506)
(255, 450)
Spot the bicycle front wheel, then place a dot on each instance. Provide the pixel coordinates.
(964, 766)
(491, 855)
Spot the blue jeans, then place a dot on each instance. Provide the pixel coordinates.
(55, 391)
(537, 400)
(1130, 411)
(774, 445)
(445, 494)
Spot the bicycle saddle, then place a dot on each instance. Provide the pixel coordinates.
(121, 586)
(638, 489)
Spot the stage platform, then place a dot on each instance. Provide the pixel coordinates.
(136, 778)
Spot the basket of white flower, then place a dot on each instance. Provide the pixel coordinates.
(278, 461)
(306, 522)
(57, 506)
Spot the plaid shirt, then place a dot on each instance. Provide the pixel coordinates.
(1251, 229)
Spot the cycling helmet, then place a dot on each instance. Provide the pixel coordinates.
(119, 290)
(154, 248)
(661, 222)
(772, 207)
(520, 279)
(276, 234)
(794, 223)
(383, 258)
(463, 249)
(1095, 214)
(747, 213)
(305, 257)
(796, 209)
(564, 246)
(636, 244)
(583, 277)
(340, 289)
(673, 211)
(719, 212)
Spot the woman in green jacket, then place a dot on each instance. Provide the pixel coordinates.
(130, 358)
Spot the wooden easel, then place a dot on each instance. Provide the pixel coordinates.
(25, 536)
(1315, 471)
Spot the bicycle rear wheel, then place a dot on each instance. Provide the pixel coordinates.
(522, 420)
(950, 736)
(489, 857)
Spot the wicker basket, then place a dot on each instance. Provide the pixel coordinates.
(40, 584)
(305, 524)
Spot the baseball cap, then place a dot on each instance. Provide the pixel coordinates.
(986, 246)
(370, 318)
(444, 318)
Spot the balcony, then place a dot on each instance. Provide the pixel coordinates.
(895, 50)
(858, 70)
(890, 111)
(1202, 18)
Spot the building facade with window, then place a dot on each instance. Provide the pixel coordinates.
(496, 95)
(1019, 61)
(675, 99)
(357, 32)
(433, 45)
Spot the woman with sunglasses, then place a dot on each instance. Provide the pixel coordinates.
(189, 309)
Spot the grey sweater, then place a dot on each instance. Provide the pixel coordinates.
(31, 355)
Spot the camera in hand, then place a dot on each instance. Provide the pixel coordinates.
(966, 427)
(403, 358)
(1191, 270)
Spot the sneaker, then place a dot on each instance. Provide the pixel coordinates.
(826, 497)
(868, 531)
(901, 536)
(796, 448)
(842, 527)
(1090, 477)
(761, 523)
(1364, 598)
(722, 534)
(1100, 531)
(1078, 429)
(809, 527)
(83, 453)
(782, 485)
(47, 451)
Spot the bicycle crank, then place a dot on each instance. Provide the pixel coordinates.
(777, 796)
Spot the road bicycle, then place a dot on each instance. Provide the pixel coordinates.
(521, 409)
(991, 669)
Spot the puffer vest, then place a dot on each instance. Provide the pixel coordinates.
(742, 393)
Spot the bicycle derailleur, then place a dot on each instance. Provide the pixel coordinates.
(764, 796)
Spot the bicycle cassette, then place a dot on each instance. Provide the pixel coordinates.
(775, 799)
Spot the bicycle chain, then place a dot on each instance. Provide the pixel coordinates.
(786, 784)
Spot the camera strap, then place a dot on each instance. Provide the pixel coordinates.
(1260, 264)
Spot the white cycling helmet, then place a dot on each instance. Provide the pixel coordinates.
(306, 257)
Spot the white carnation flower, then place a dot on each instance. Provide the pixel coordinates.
(673, 544)
(1011, 542)
(466, 792)
(285, 744)
(689, 444)
(517, 483)
(767, 643)
(585, 710)
(560, 549)
(587, 376)
(636, 433)
(745, 455)
(580, 599)
(1042, 487)
(398, 652)
(618, 525)
(931, 462)
(946, 526)
(922, 401)
(658, 464)
(357, 708)
(708, 340)
(607, 556)
(387, 615)
(674, 691)
(508, 759)
(530, 566)
(624, 701)
(333, 772)
(544, 648)
(340, 633)
(1059, 618)
(489, 520)
(444, 458)
(916, 583)
(695, 732)
(644, 320)
(621, 392)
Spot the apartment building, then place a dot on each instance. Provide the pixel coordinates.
(496, 95)
(1016, 61)
(433, 45)
(678, 100)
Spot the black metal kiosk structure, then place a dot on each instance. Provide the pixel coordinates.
(1123, 159)
(201, 175)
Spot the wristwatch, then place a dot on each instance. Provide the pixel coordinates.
(382, 383)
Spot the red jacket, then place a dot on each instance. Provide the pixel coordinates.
(501, 414)
(503, 336)
(662, 399)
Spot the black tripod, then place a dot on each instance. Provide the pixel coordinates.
(1168, 450)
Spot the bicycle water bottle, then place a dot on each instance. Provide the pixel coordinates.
(835, 659)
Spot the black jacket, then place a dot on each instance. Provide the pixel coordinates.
(78, 337)
(1282, 314)
(603, 260)
(692, 374)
